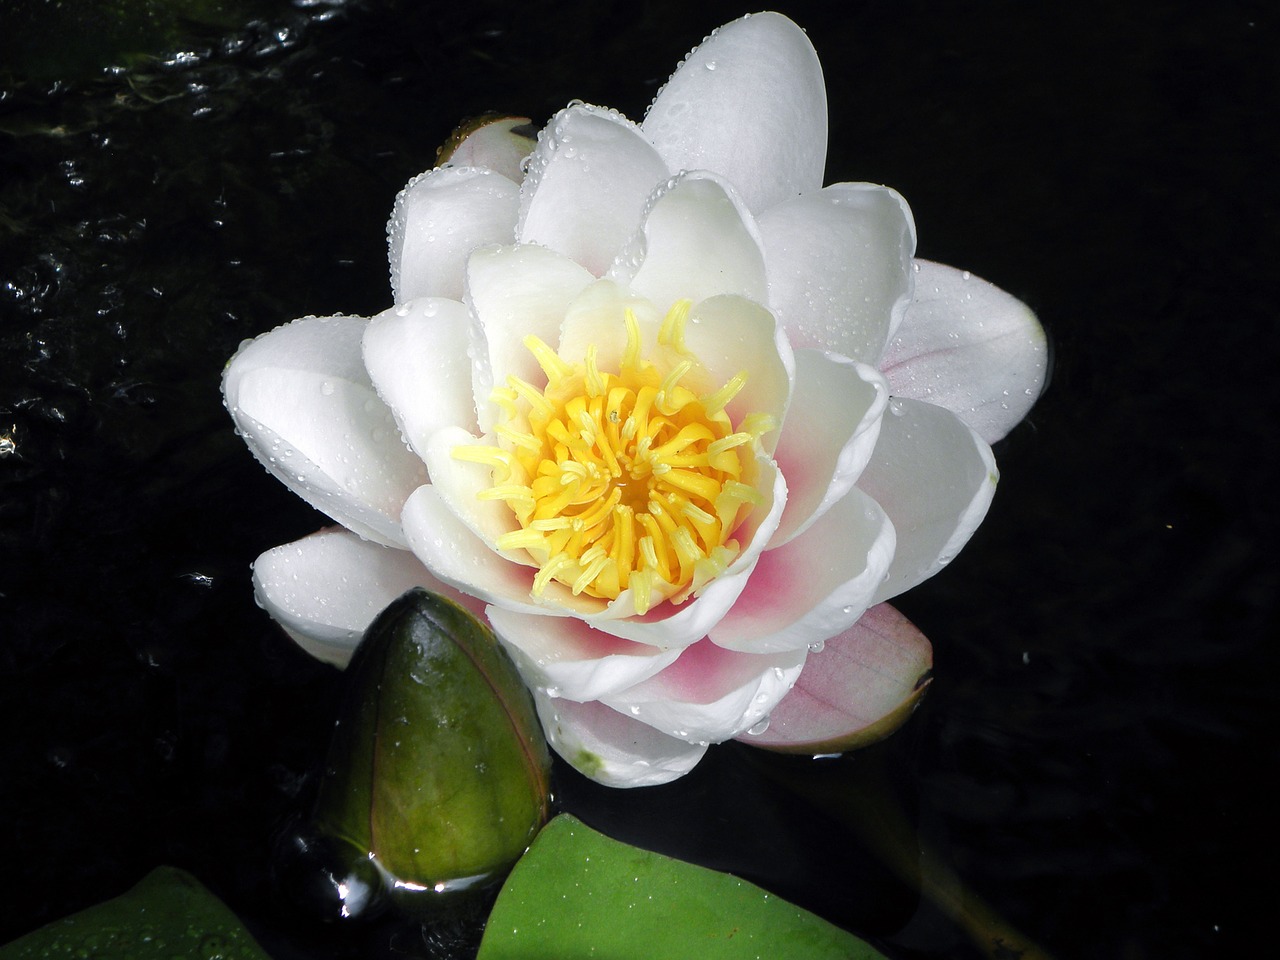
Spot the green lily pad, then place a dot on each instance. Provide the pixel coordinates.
(577, 893)
(169, 915)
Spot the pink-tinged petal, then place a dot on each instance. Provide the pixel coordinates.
(934, 477)
(827, 438)
(499, 143)
(970, 347)
(610, 748)
(438, 219)
(325, 589)
(711, 694)
(697, 240)
(858, 689)
(414, 355)
(839, 263)
(457, 556)
(305, 406)
(587, 185)
(815, 586)
(567, 658)
(750, 104)
(516, 291)
(672, 624)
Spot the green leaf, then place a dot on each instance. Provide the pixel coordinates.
(168, 916)
(577, 893)
(438, 769)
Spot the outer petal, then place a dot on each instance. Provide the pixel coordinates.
(815, 586)
(307, 410)
(438, 219)
(935, 478)
(859, 688)
(587, 185)
(970, 347)
(750, 104)
(827, 438)
(697, 240)
(711, 694)
(325, 589)
(415, 357)
(839, 265)
(569, 659)
(501, 144)
(516, 291)
(613, 749)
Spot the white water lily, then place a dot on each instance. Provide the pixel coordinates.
(673, 416)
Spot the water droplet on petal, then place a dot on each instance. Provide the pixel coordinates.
(759, 727)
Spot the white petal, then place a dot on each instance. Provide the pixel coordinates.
(711, 694)
(458, 557)
(678, 625)
(515, 292)
(327, 588)
(839, 264)
(597, 317)
(816, 585)
(498, 143)
(827, 438)
(305, 406)
(416, 355)
(935, 478)
(587, 185)
(970, 347)
(697, 240)
(438, 219)
(458, 483)
(569, 659)
(611, 749)
(730, 335)
(750, 104)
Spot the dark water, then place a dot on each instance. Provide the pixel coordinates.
(1092, 758)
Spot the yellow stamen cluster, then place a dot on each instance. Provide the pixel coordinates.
(623, 481)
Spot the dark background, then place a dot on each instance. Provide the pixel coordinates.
(1093, 757)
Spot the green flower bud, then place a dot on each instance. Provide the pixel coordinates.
(438, 769)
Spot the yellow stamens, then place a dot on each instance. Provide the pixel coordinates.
(714, 402)
(671, 333)
(627, 479)
(550, 362)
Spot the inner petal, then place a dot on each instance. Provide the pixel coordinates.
(624, 477)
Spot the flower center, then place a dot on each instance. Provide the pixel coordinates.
(623, 481)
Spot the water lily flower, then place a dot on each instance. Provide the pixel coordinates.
(675, 417)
